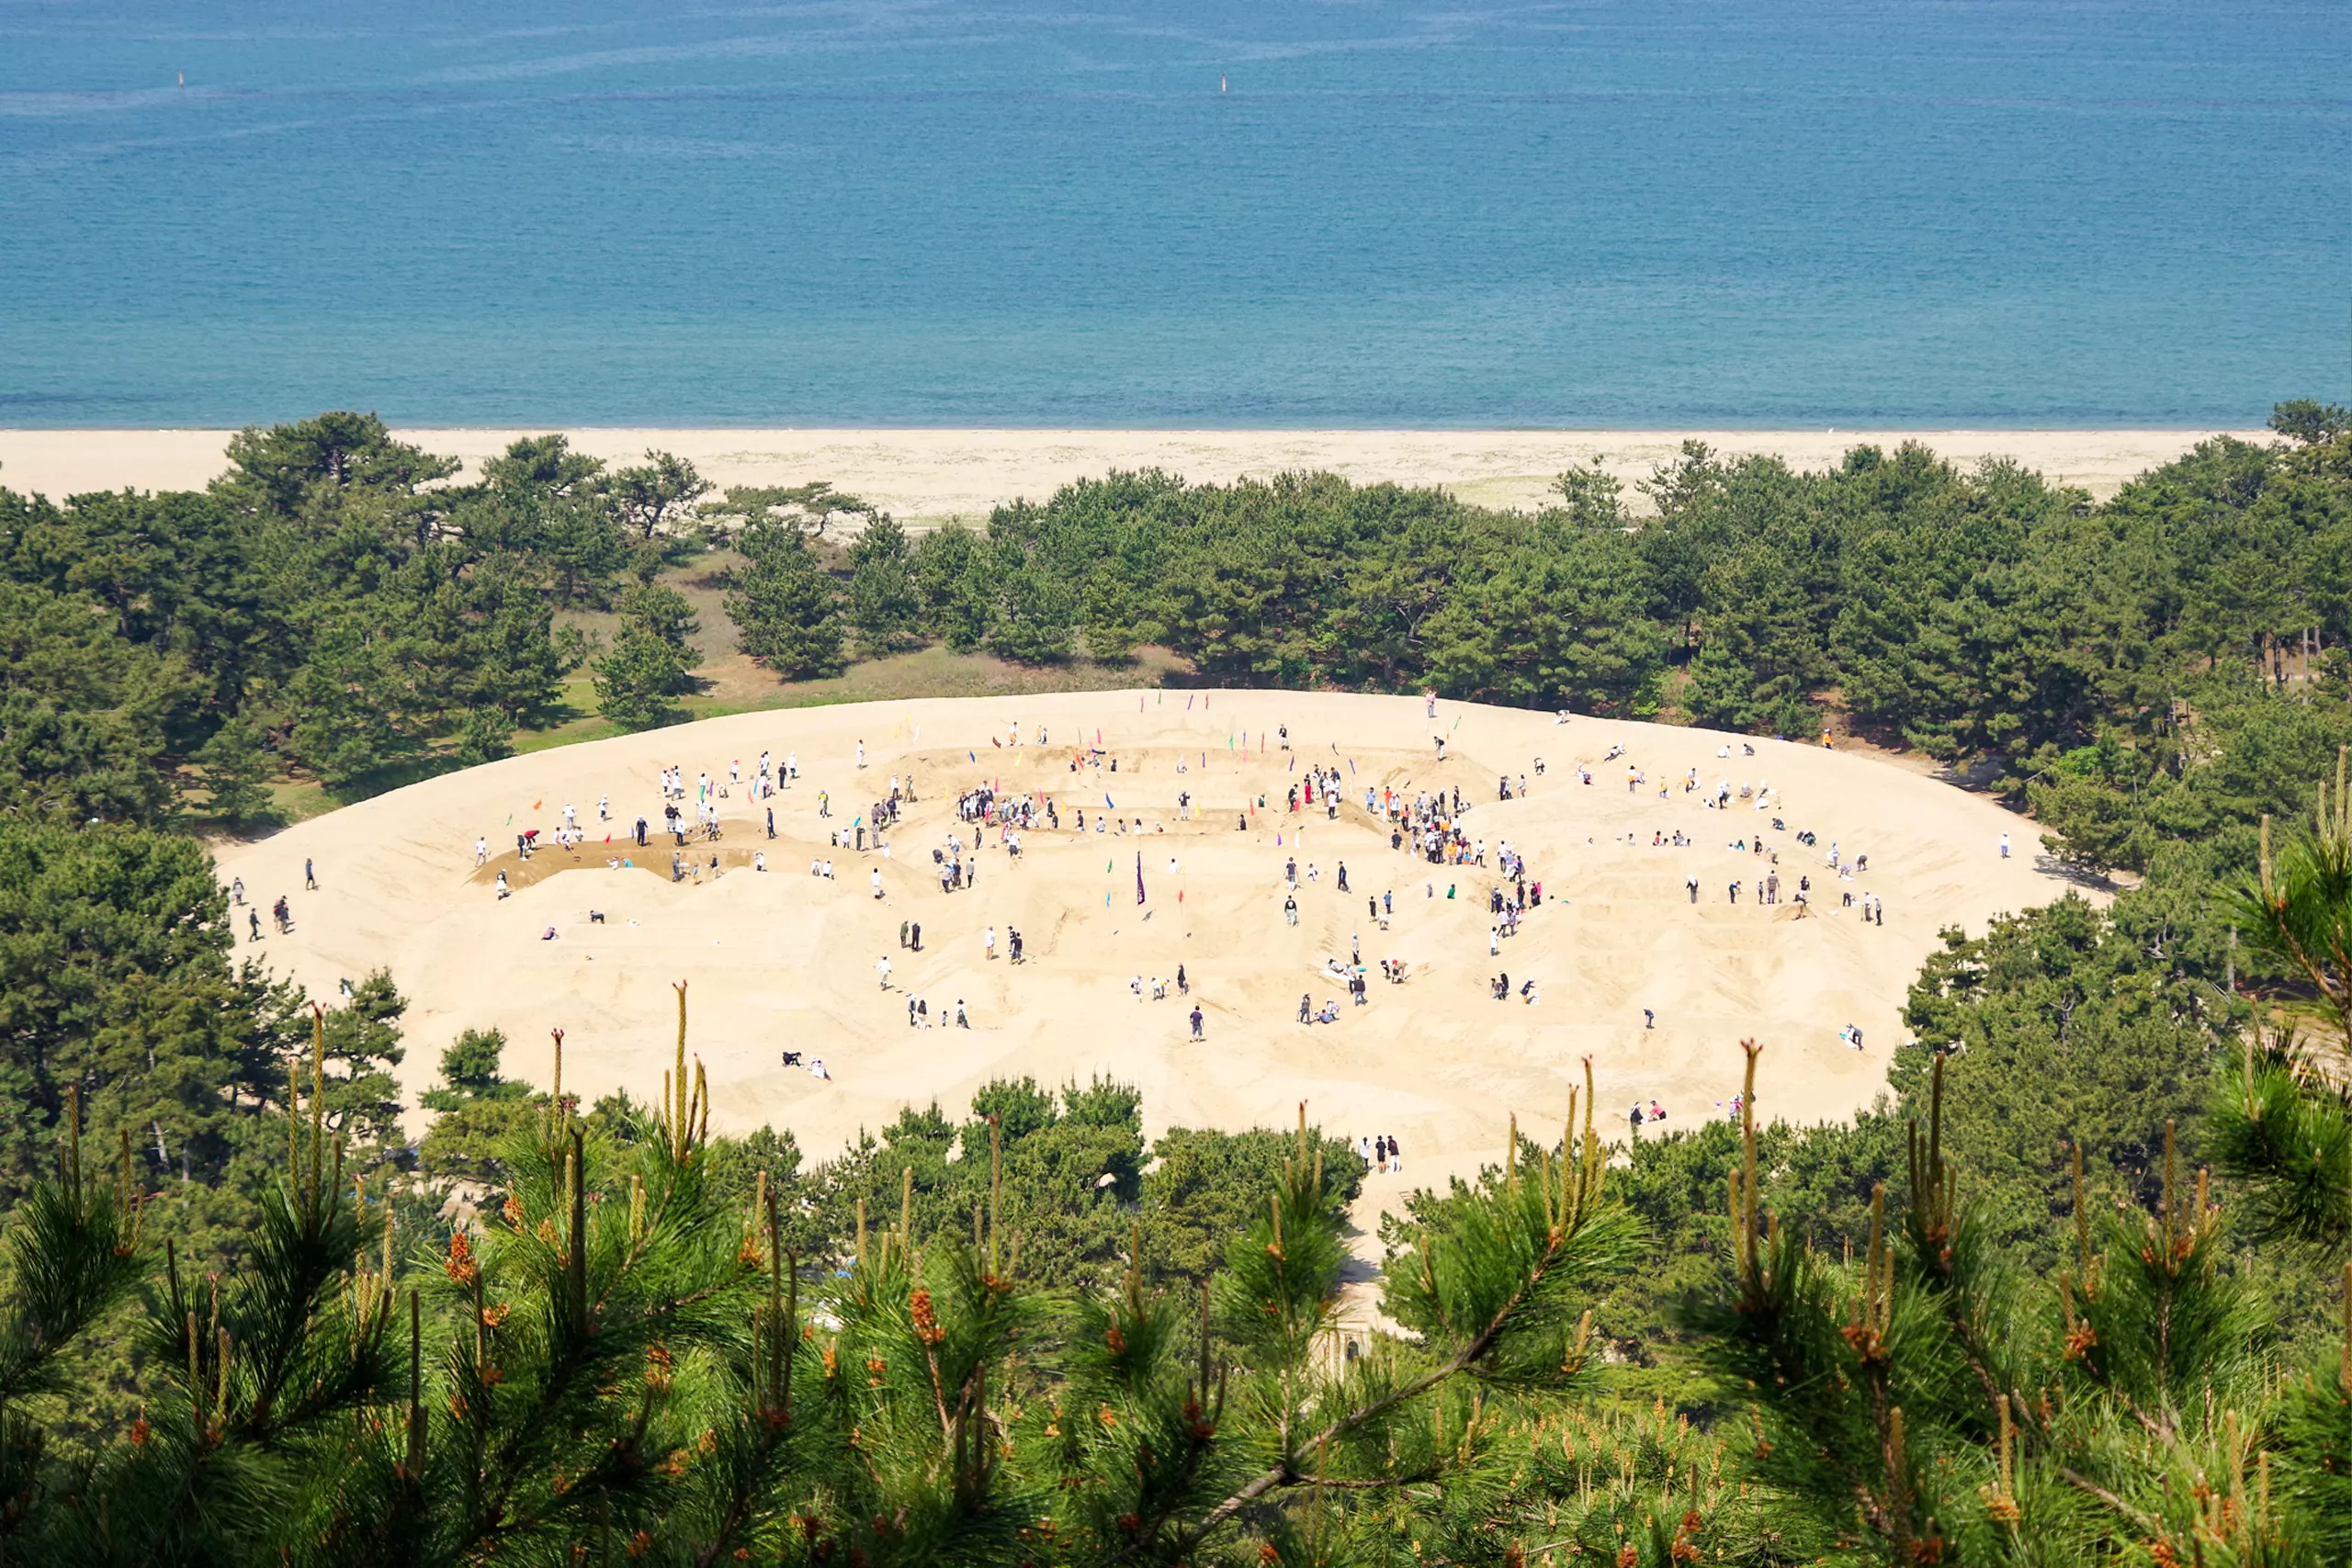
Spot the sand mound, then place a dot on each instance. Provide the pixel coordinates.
(782, 960)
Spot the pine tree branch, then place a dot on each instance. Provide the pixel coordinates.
(2146, 1524)
(1290, 1470)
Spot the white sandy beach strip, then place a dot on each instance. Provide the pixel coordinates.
(929, 476)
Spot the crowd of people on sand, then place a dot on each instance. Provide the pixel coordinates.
(1431, 825)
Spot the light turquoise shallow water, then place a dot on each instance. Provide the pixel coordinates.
(1757, 212)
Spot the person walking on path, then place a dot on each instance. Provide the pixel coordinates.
(878, 882)
(1196, 1021)
(309, 875)
(988, 945)
(882, 967)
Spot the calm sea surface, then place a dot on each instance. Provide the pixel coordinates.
(1753, 213)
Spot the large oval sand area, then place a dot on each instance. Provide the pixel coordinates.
(782, 961)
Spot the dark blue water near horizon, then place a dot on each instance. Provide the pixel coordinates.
(1588, 213)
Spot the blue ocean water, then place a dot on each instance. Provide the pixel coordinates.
(1392, 212)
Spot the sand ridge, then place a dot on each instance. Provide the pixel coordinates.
(929, 476)
(783, 961)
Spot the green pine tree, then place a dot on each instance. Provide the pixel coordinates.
(236, 773)
(786, 611)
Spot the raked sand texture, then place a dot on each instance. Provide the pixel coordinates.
(930, 476)
(786, 961)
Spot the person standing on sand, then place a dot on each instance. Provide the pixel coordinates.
(254, 916)
(988, 945)
(861, 753)
(914, 936)
(882, 967)
(1196, 1021)
(2005, 846)
(309, 875)
(878, 882)
(481, 855)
